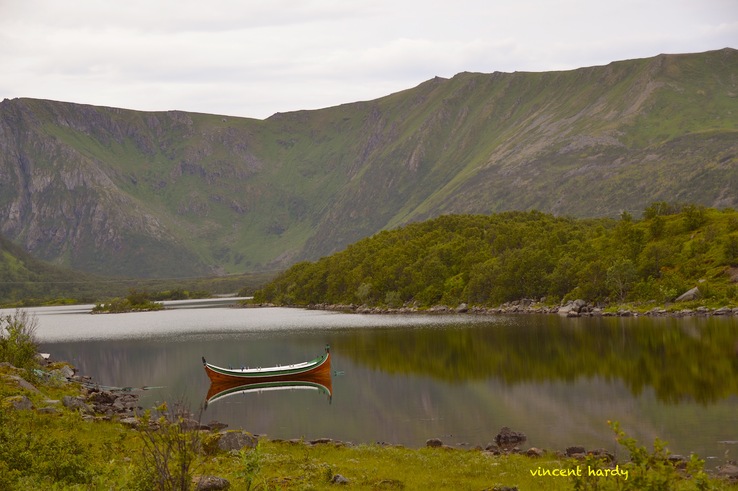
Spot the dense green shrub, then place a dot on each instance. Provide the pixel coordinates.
(39, 459)
(489, 260)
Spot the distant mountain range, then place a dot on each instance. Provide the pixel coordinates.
(152, 194)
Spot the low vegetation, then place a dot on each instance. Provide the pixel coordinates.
(488, 260)
(136, 301)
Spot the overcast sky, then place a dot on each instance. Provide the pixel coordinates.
(254, 58)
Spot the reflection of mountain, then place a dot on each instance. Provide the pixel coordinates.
(687, 358)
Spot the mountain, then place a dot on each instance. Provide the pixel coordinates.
(151, 194)
(24, 276)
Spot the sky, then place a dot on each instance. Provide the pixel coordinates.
(255, 58)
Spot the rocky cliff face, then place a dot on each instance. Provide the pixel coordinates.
(177, 194)
(61, 205)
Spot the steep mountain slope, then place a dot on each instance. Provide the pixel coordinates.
(171, 193)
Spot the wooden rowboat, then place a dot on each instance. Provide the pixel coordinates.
(318, 367)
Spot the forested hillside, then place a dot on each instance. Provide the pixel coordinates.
(488, 260)
(162, 194)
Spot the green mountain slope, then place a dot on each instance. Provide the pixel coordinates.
(22, 276)
(121, 192)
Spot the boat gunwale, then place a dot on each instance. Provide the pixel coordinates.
(269, 372)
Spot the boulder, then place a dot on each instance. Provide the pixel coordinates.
(236, 440)
(576, 452)
(728, 471)
(507, 437)
(76, 403)
(211, 483)
(20, 403)
(692, 294)
(433, 443)
(104, 398)
(65, 372)
(217, 425)
(23, 383)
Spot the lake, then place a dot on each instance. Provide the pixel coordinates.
(403, 379)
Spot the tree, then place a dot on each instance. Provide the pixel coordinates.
(620, 277)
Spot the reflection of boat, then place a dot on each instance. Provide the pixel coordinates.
(319, 366)
(221, 390)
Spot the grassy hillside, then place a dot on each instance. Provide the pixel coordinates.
(119, 192)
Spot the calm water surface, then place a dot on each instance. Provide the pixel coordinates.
(404, 379)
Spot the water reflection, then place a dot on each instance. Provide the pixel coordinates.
(556, 379)
(680, 359)
(219, 391)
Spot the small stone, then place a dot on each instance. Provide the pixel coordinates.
(189, 424)
(603, 454)
(534, 452)
(130, 422)
(339, 479)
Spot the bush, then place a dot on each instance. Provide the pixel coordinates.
(34, 459)
(646, 471)
(18, 339)
(170, 450)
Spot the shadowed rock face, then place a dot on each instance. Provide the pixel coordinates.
(131, 193)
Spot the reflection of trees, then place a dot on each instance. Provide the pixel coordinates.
(694, 358)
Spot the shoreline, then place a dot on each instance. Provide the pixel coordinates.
(576, 308)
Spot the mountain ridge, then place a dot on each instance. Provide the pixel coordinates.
(116, 191)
